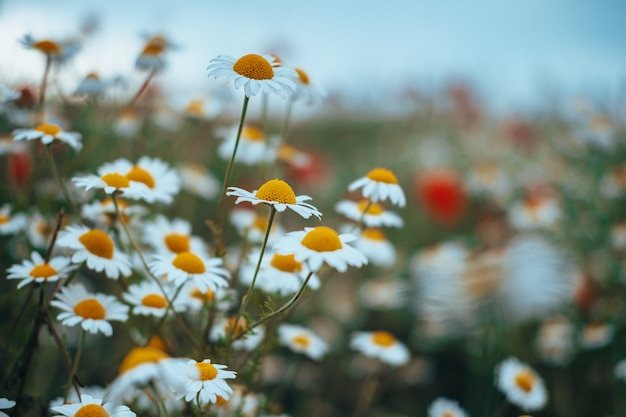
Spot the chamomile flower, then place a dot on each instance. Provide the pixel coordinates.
(596, 334)
(94, 85)
(206, 273)
(380, 184)
(254, 146)
(39, 230)
(302, 340)
(103, 212)
(204, 381)
(5, 403)
(162, 181)
(96, 248)
(147, 299)
(373, 243)
(443, 407)
(371, 214)
(306, 91)
(244, 339)
(278, 194)
(555, 341)
(194, 299)
(384, 293)
(252, 225)
(56, 50)
(112, 177)
(48, 133)
(38, 270)
(127, 123)
(381, 345)
(8, 94)
(317, 245)
(89, 406)
(255, 73)
(11, 224)
(151, 56)
(521, 385)
(612, 184)
(534, 212)
(197, 180)
(172, 236)
(92, 310)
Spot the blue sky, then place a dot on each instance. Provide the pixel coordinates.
(514, 50)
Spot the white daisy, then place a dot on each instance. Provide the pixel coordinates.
(521, 385)
(253, 148)
(8, 94)
(555, 341)
(197, 180)
(39, 230)
(380, 184)
(47, 133)
(318, 245)
(381, 345)
(278, 194)
(371, 214)
(243, 338)
(250, 224)
(72, 397)
(57, 50)
(89, 406)
(488, 180)
(169, 237)
(37, 270)
(204, 381)
(11, 224)
(147, 299)
(5, 403)
(112, 177)
(93, 85)
(241, 403)
(306, 92)
(151, 56)
(613, 183)
(103, 212)
(302, 340)
(443, 407)
(255, 73)
(373, 243)
(596, 334)
(191, 296)
(97, 249)
(534, 212)
(384, 293)
(162, 181)
(206, 273)
(92, 311)
(127, 123)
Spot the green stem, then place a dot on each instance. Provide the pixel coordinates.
(79, 351)
(42, 91)
(57, 176)
(366, 396)
(143, 88)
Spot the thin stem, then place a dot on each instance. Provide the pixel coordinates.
(54, 237)
(42, 91)
(366, 396)
(143, 88)
(246, 298)
(229, 169)
(79, 351)
(57, 176)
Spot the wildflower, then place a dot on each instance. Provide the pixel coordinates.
(206, 273)
(381, 345)
(151, 57)
(148, 299)
(253, 148)
(441, 193)
(383, 293)
(191, 296)
(162, 181)
(380, 184)
(56, 50)
(306, 92)
(302, 340)
(371, 214)
(613, 183)
(89, 406)
(278, 194)
(555, 341)
(204, 381)
(170, 237)
(373, 243)
(255, 73)
(596, 334)
(245, 339)
(521, 385)
(93, 85)
(103, 213)
(37, 270)
(252, 225)
(127, 123)
(534, 211)
(112, 177)
(47, 133)
(8, 94)
(195, 109)
(240, 402)
(11, 224)
(618, 235)
(488, 180)
(39, 230)
(5, 404)
(316, 245)
(443, 407)
(92, 311)
(197, 180)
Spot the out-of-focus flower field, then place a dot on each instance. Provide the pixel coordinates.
(226, 258)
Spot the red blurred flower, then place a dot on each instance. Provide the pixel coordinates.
(20, 167)
(441, 194)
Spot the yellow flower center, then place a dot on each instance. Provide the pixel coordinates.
(322, 239)
(48, 47)
(374, 234)
(278, 191)
(97, 242)
(90, 308)
(177, 242)
(141, 175)
(91, 410)
(157, 343)
(155, 46)
(43, 271)
(141, 355)
(154, 300)
(254, 66)
(287, 153)
(113, 179)
(221, 401)
(49, 129)
(301, 340)
(525, 380)
(259, 222)
(4, 219)
(448, 414)
(303, 76)
(242, 326)
(204, 297)
(252, 134)
(195, 107)
(383, 338)
(286, 263)
(382, 175)
(189, 263)
(93, 76)
(373, 209)
(207, 371)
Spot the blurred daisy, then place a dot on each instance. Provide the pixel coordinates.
(170, 237)
(521, 385)
(613, 183)
(195, 109)
(147, 299)
(306, 92)
(94, 391)
(4, 405)
(618, 235)
(8, 94)
(11, 224)
(47, 133)
(555, 341)
(384, 293)
(254, 147)
(381, 345)
(380, 184)
(317, 245)
(151, 56)
(97, 249)
(596, 334)
(204, 381)
(191, 296)
(488, 180)
(197, 180)
(302, 340)
(240, 403)
(39, 230)
(103, 212)
(443, 407)
(206, 273)
(37, 270)
(56, 50)
(278, 194)
(620, 370)
(371, 214)
(534, 212)
(162, 181)
(127, 123)
(250, 224)
(255, 73)
(244, 339)
(112, 177)
(89, 406)
(373, 243)
(93, 85)
(92, 310)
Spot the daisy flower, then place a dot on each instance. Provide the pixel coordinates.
(253, 149)
(381, 345)
(534, 212)
(250, 224)
(170, 237)
(56, 50)
(521, 385)
(380, 184)
(5, 404)
(204, 381)
(37, 270)
(384, 293)
(373, 243)
(278, 194)
(147, 299)
(555, 341)
(613, 183)
(93, 85)
(194, 299)
(92, 311)
(151, 57)
(255, 73)
(443, 407)
(206, 273)
(197, 180)
(11, 224)
(306, 92)
(8, 94)
(112, 177)
(127, 123)
(318, 245)
(89, 406)
(246, 342)
(371, 214)
(302, 340)
(162, 181)
(240, 403)
(596, 334)
(39, 230)
(103, 212)
(47, 133)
